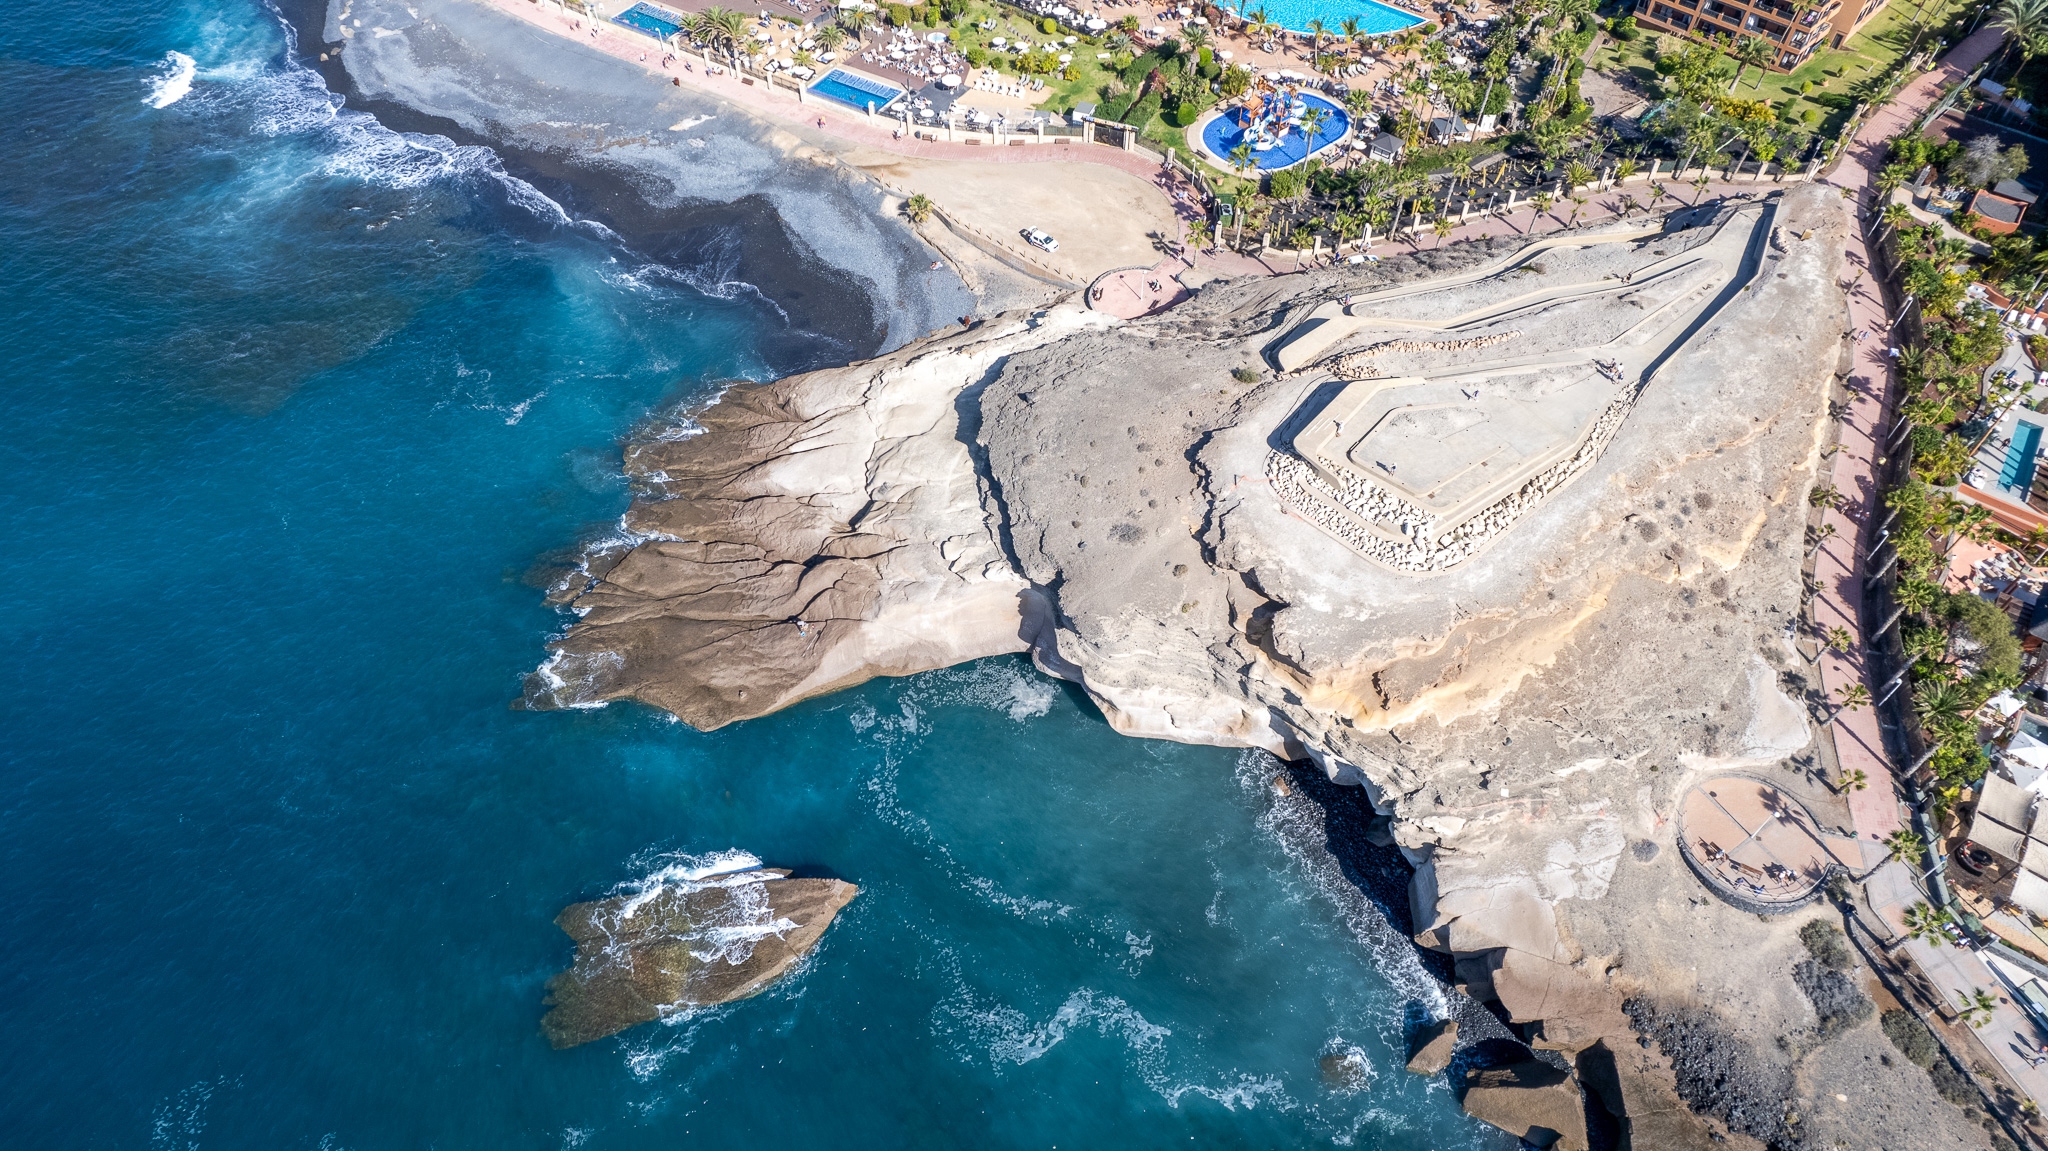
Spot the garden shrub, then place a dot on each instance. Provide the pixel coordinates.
(1244, 375)
(1828, 944)
(1834, 995)
(1286, 185)
(1910, 1036)
(1049, 26)
(899, 15)
(1952, 1084)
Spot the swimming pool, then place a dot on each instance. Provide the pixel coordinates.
(1224, 133)
(2018, 473)
(653, 21)
(854, 90)
(1374, 18)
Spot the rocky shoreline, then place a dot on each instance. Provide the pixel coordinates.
(1096, 493)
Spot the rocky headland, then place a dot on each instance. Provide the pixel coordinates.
(1535, 598)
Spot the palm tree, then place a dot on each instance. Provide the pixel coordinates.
(2023, 21)
(722, 28)
(1351, 27)
(1316, 30)
(1312, 121)
(1542, 201)
(1854, 697)
(1578, 205)
(1347, 225)
(919, 208)
(1941, 703)
(1443, 227)
(1924, 922)
(1840, 639)
(830, 37)
(1657, 192)
(1889, 179)
(1241, 159)
(1904, 843)
(1978, 1007)
(1895, 216)
(1751, 51)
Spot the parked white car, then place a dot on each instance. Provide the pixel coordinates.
(1038, 238)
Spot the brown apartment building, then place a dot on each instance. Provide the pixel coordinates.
(1797, 29)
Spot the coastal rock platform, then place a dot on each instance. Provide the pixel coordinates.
(1102, 494)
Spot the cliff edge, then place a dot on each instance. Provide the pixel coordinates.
(1508, 533)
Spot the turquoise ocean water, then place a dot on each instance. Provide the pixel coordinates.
(292, 405)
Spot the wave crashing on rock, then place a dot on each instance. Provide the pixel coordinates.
(687, 939)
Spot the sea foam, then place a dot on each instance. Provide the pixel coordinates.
(170, 86)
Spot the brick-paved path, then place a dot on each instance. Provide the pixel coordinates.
(1839, 570)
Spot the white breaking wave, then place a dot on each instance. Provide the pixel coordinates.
(1013, 1038)
(1296, 824)
(1008, 1037)
(686, 873)
(170, 86)
(570, 677)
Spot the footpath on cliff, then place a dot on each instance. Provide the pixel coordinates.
(2011, 1037)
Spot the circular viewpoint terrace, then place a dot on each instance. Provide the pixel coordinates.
(1755, 846)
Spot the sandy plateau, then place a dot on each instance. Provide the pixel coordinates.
(1526, 716)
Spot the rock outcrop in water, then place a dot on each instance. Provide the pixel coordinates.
(642, 956)
(1525, 591)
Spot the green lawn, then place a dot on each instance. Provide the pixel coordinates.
(1836, 74)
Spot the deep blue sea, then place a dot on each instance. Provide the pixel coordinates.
(291, 407)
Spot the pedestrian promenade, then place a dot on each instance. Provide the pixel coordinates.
(1839, 571)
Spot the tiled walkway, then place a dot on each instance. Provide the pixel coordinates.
(1839, 568)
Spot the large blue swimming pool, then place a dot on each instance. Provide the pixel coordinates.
(647, 18)
(1374, 18)
(1224, 133)
(855, 91)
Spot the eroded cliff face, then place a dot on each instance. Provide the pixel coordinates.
(1102, 495)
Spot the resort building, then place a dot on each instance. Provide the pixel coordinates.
(1797, 28)
(1996, 213)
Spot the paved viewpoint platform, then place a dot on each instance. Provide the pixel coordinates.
(1755, 846)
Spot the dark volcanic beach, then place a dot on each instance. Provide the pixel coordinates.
(733, 205)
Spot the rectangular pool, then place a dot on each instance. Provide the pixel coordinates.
(2018, 473)
(648, 19)
(855, 90)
